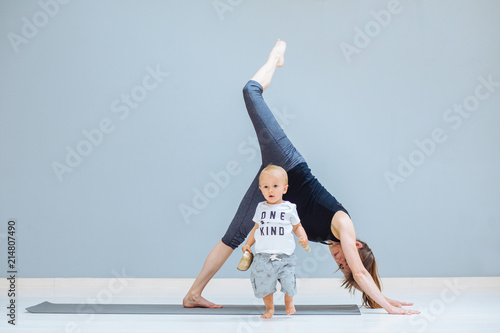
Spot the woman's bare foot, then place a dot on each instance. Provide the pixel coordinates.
(197, 301)
(290, 308)
(276, 59)
(278, 53)
(268, 314)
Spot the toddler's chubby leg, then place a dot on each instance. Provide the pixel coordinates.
(290, 308)
(269, 302)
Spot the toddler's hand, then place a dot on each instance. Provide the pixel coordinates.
(303, 241)
(246, 247)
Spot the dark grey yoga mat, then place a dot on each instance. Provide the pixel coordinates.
(177, 309)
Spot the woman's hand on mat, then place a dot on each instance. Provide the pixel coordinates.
(397, 307)
(398, 304)
(246, 247)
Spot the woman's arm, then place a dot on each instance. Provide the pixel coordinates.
(250, 240)
(345, 229)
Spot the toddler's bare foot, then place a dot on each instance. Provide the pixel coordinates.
(268, 314)
(278, 52)
(290, 308)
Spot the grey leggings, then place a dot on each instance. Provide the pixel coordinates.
(275, 148)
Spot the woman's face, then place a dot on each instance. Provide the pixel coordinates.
(338, 255)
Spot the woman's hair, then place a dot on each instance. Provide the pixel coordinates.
(370, 264)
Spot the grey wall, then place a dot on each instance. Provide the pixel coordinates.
(389, 102)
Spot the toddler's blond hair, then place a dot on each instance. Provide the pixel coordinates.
(271, 168)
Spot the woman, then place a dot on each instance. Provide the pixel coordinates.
(322, 216)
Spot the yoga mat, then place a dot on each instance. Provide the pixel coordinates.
(177, 309)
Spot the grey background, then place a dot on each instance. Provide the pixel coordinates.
(352, 118)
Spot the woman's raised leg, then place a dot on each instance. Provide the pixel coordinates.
(275, 147)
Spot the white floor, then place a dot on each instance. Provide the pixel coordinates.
(447, 305)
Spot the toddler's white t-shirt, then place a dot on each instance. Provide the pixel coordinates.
(275, 232)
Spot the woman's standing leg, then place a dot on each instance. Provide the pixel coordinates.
(216, 258)
(242, 222)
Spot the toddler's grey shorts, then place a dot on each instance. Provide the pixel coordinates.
(268, 268)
